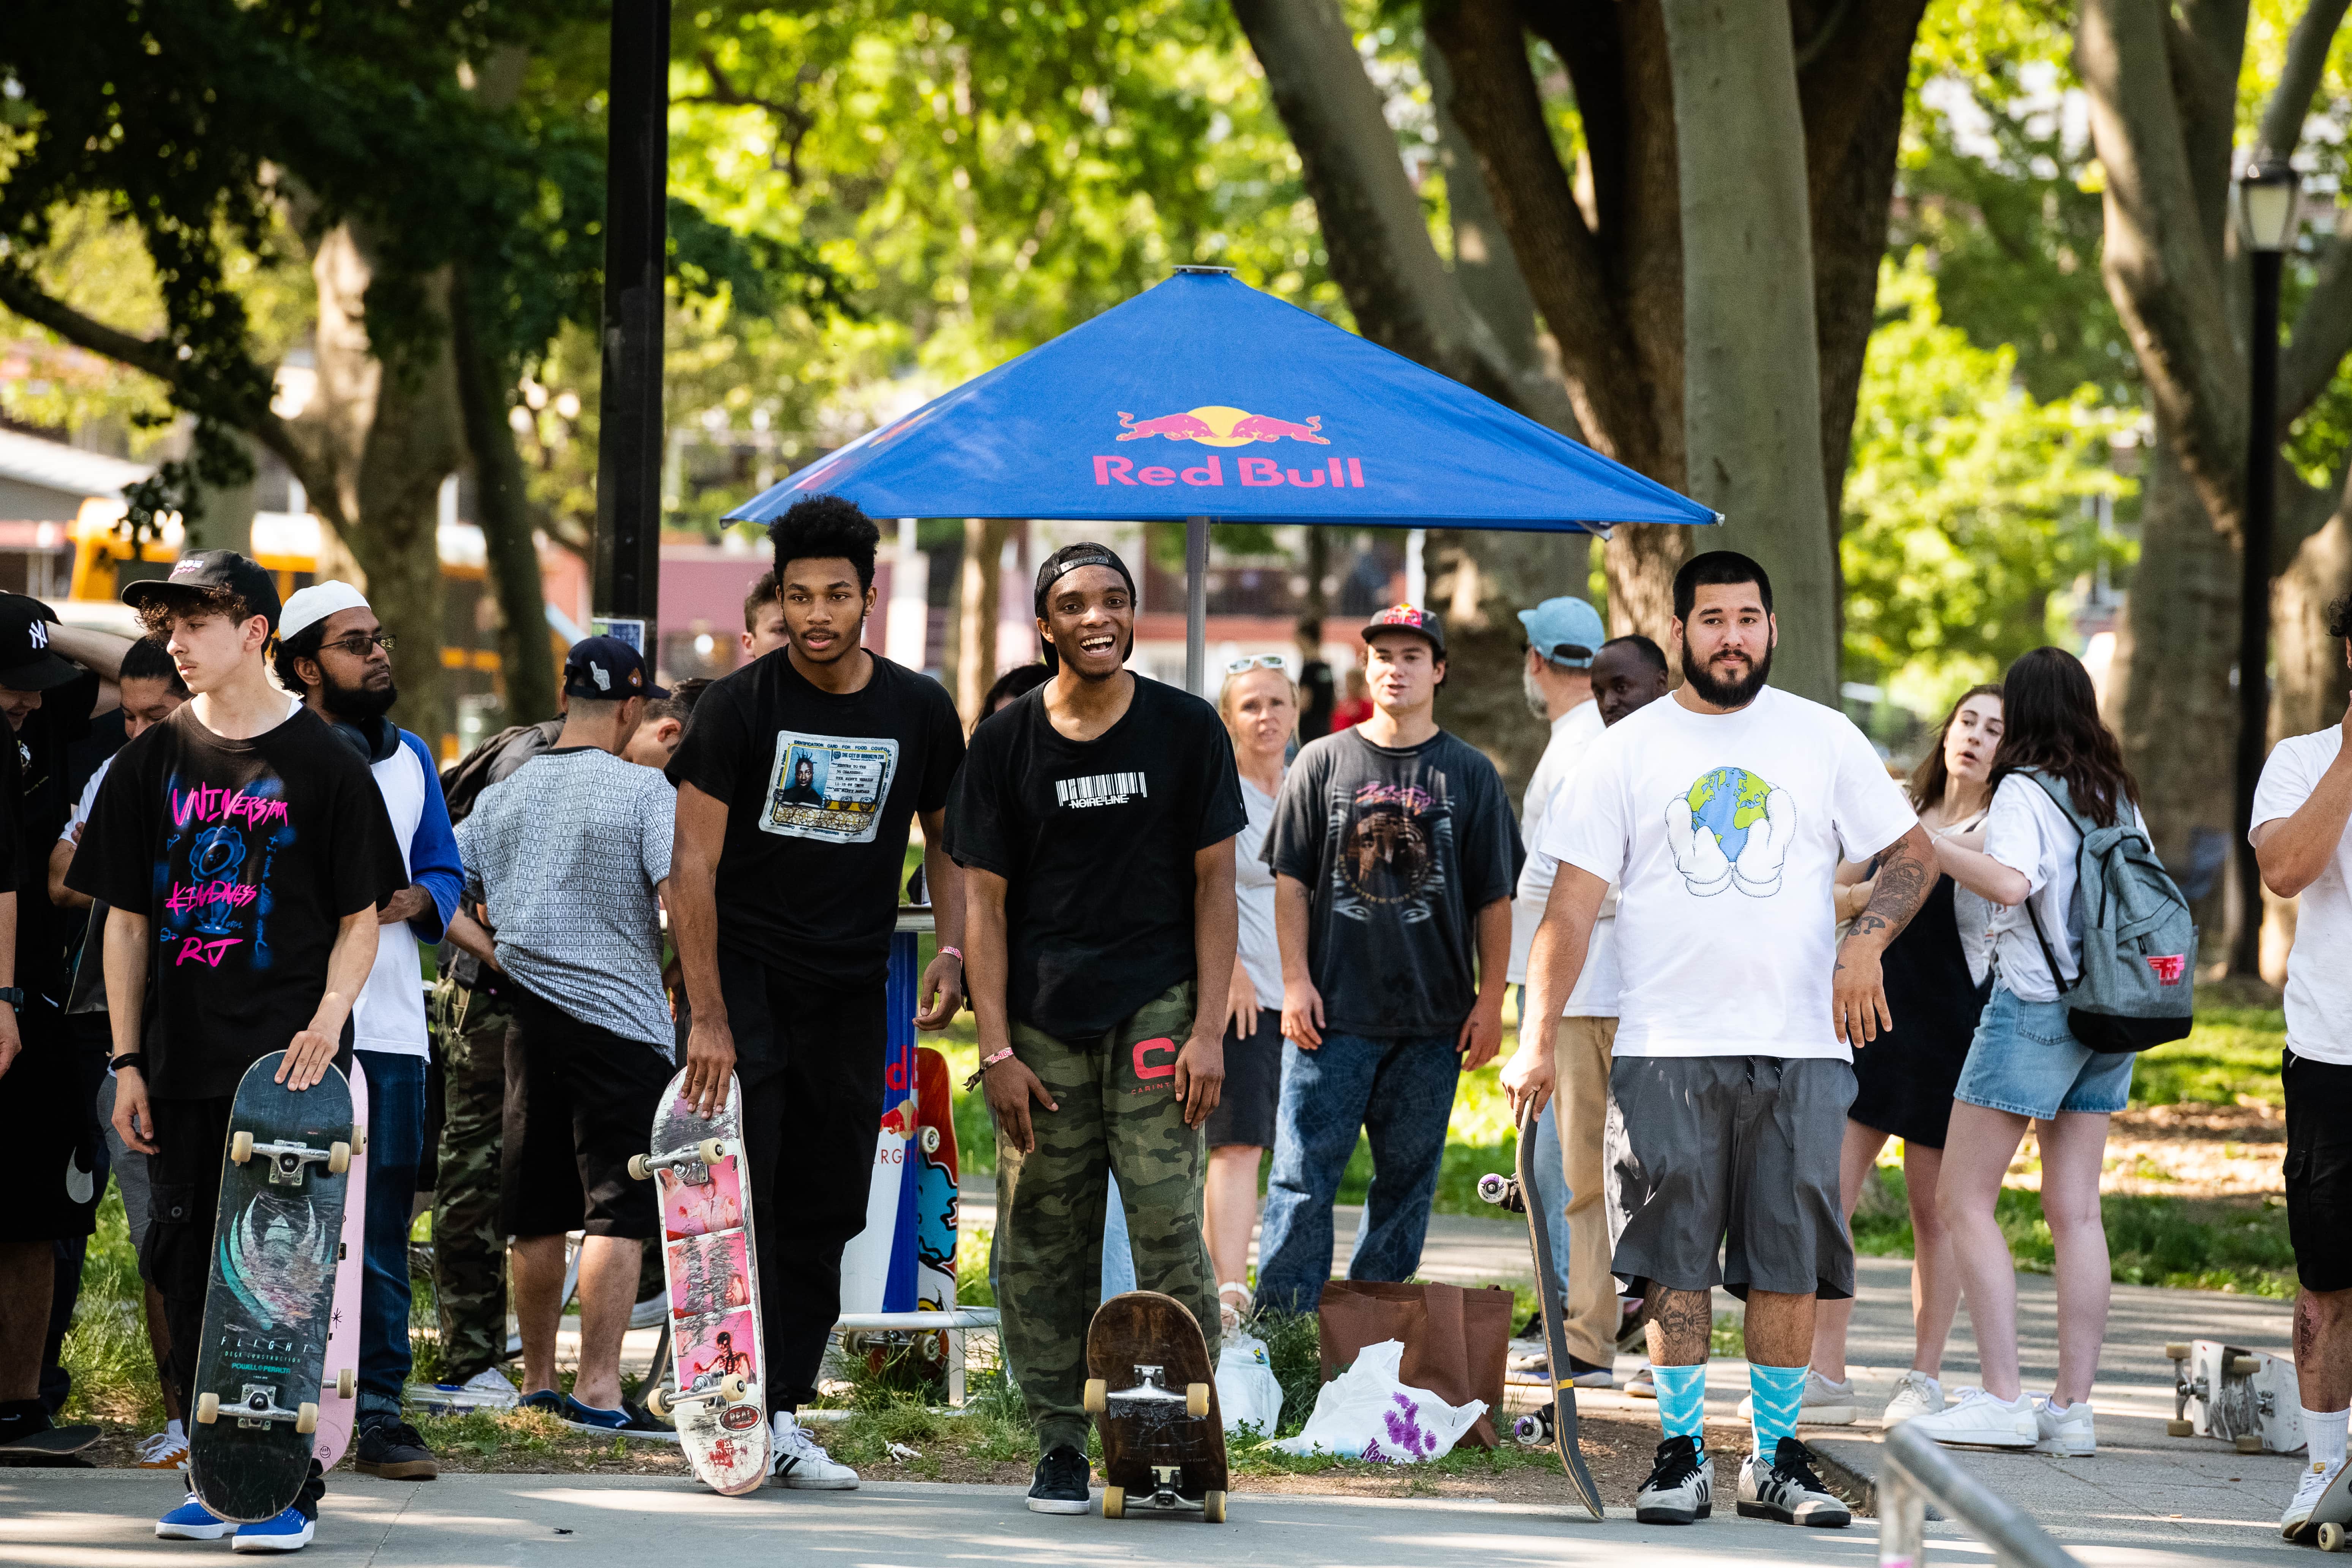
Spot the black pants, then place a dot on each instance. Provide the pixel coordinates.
(810, 1063)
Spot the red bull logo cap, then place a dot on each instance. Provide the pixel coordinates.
(1407, 619)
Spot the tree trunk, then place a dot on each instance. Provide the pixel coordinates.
(1752, 411)
(978, 605)
(1479, 581)
(527, 671)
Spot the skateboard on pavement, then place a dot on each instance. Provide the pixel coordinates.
(717, 1399)
(2247, 1398)
(1556, 1422)
(338, 1395)
(270, 1301)
(1154, 1396)
(2333, 1513)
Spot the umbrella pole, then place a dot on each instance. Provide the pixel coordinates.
(1196, 606)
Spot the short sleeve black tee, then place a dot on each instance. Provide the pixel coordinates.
(1095, 839)
(819, 788)
(1400, 849)
(243, 855)
(49, 782)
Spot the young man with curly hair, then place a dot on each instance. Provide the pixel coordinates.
(795, 785)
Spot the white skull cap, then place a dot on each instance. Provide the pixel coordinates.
(316, 603)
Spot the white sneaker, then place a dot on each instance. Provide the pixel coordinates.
(166, 1450)
(2307, 1493)
(1979, 1420)
(1638, 1383)
(1824, 1404)
(2066, 1432)
(799, 1460)
(1916, 1394)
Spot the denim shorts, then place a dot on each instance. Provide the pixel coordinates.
(2026, 1061)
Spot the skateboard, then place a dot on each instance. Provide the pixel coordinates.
(718, 1397)
(1154, 1396)
(2326, 1524)
(339, 1395)
(1555, 1422)
(2249, 1398)
(270, 1301)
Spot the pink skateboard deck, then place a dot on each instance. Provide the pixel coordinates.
(337, 1408)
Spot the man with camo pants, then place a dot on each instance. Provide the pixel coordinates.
(1095, 820)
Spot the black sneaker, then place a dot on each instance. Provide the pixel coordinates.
(1787, 1489)
(1061, 1483)
(1681, 1488)
(393, 1450)
(1582, 1374)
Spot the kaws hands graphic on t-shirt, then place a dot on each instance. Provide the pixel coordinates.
(1730, 826)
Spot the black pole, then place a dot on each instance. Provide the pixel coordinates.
(2255, 602)
(636, 231)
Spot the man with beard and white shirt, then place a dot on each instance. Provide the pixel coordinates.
(335, 654)
(1721, 816)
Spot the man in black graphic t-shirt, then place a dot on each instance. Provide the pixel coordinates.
(795, 785)
(245, 850)
(1095, 822)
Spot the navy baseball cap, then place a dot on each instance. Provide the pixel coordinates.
(607, 670)
(25, 662)
(1566, 631)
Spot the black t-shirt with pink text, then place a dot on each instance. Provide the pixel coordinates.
(245, 855)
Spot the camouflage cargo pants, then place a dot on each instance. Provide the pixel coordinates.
(469, 1281)
(1118, 1114)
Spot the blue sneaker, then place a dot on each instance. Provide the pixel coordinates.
(546, 1399)
(625, 1422)
(289, 1531)
(192, 1521)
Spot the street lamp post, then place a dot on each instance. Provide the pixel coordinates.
(629, 435)
(2266, 218)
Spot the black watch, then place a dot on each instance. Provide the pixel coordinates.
(13, 996)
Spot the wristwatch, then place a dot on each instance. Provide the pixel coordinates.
(13, 996)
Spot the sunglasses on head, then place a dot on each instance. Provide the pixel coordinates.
(1256, 661)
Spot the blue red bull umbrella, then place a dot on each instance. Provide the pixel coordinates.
(1202, 400)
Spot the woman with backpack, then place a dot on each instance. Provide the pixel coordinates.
(2027, 1065)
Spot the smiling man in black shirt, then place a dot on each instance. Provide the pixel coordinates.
(1094, 821)
(796, 783)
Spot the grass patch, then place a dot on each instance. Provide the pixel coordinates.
(2231, 1056)
(106, 1349)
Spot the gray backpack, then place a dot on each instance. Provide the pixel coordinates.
(2138, 986)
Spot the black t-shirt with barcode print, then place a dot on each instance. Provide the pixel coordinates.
(1095, 840)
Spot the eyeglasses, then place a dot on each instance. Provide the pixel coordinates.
(1258, 661)
(358, 644)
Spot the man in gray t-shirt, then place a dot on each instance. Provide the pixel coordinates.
(1394, 852)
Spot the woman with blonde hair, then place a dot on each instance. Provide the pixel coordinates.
(1260, 708)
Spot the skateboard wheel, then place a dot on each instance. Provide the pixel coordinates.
(2244, 1365)
(1196, 1400)
(240, 1147)
(713, 1149)
(305, 1418)
(657, 1401)
(929, 1140)
(2176, 1350)
(339, 1158)
(2247, 1443)
(637, 1172)
(347, 1384)
(1212, 1508)
(1114, 1499)
(207, 1409)
(733, 1388)
(2331, 1538)
(359, 1143)
(2179, 1429)
(1098, 1400)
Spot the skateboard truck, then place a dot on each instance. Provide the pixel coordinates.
(687, 1162)
(290, 1163)
(2231, 1411)
(256, 1407)
(1150, 1388)
(1503, 1192)
(729, 1390)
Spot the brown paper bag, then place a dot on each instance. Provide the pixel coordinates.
(1457, 1342)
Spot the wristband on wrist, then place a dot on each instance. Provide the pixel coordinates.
(981, 1070)
(137, 1059)
(954, 952)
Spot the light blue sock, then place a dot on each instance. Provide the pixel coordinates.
(1776, 1391)
(1682, 1400)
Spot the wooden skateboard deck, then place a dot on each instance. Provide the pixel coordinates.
(339, 1397)
(2247, 1398)
(936, 1197)
(717, 1399)
(1153, 1395)
(271, 1297)
(1556, 1420)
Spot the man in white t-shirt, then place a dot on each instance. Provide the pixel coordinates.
(2301, 807)
(1722, 816)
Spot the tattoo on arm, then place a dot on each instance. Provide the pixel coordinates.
(1905, 876)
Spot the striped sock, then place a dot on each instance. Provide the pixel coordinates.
(1682, 1400)
(1776, 1391)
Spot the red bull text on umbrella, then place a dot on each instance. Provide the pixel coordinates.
(1216, 424)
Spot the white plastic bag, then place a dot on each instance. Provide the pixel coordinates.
(1369, 1413)
(1247, 1390)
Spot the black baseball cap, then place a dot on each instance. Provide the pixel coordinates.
(25, 662)
(1068, 559)
(241, 574)
(1420, 622)
(608, 671)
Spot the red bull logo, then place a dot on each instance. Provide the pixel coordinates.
(900, 1120)
(1216, 424)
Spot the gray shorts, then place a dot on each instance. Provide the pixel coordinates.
(129, 1166)
(1729, 1155)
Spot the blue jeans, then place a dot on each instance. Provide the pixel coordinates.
(396, 1144)
(1400, 1094)
(2026, 1060)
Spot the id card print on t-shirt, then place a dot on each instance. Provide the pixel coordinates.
(829, 787)
(217, 854)
(1730, 829)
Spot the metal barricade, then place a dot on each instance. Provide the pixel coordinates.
(1917, 1472)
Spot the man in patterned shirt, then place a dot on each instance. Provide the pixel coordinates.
(571, 855)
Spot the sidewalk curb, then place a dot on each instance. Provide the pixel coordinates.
(1853, 1484)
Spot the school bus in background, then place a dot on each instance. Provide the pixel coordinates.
(287, 543)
